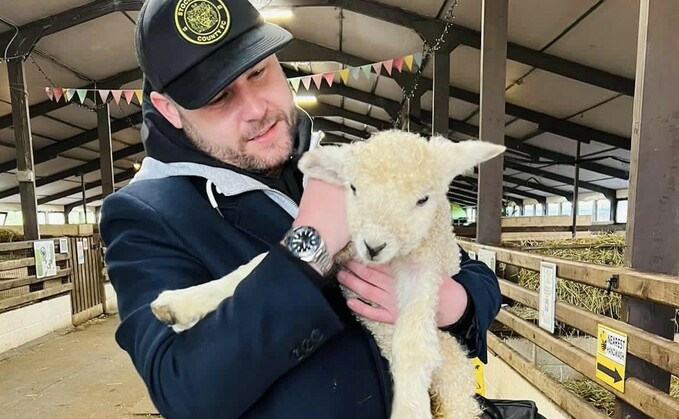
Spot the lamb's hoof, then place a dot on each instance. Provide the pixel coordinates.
(170, 308)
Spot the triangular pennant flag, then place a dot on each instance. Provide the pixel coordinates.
(398, 64)
(366, 70)
(318, 79)
(295, 83)
(408, 59)
(58, 92)
(344, 75)
(140, 95)
(82, 94)
(129, 94)
(103, 94)
(68, 94)
(418, 58)
(387, 65)
(329, 77)
(50, 93)
(377, 67)
(116, 95)
(355, 73)
(306, 81)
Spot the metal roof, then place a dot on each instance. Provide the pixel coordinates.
(569, 77)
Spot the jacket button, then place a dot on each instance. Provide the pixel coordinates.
(316, 335)
(307, 346)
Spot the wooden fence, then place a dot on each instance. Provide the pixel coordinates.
(22, 282)
(79, 271)
(656, 350)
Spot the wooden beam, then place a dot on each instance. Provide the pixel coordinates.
(29, 34)
(105, 149)
(639, 394)
(24, 148)
(573, 404)
(494, 18)
(664, 353)
(120, 177)
(653, 220)
(440, 100)
(660, 288)
(48, 106)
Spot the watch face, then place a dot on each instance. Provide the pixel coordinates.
(303, 241)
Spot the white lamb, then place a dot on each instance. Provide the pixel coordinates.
(396, 186)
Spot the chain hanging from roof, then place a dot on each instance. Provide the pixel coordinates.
(427, 51)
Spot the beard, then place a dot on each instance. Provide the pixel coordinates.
(268, 160)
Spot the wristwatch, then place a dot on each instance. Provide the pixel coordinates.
(305, 243)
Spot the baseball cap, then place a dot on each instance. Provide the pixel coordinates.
(192, 49)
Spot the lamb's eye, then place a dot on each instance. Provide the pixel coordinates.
(422, 201)
(353, 188)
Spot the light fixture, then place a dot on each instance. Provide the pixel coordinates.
(306, 100)
(136, 166)
(276, 14)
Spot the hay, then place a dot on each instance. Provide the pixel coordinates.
(603, 250)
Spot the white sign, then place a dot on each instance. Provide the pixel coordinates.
(547, 296)
(487, 257)
(81, 253)
(472, 255)
(63, 245)
(86, 244)
(45, 258)
(615, 345)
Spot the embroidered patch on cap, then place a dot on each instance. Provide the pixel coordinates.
(202, 22)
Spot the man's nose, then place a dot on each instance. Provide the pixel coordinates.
(253, 108)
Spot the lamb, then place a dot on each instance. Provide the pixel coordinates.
(396, 185)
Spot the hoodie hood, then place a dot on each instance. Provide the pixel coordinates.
(171, 153)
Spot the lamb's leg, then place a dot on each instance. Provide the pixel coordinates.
(415, 348)
(453, 382)
(183, 308)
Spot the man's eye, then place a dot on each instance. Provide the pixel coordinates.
(256, 74)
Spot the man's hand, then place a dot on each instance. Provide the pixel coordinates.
(377, 286)
(322, 207)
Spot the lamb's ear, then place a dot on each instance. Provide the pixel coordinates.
(465, 155)
(325, 163)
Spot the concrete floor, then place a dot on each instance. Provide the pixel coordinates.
(79, 373)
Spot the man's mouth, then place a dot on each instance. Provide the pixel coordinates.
(263, 134)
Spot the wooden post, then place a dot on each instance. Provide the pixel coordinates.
(653, 221)
(105, 149)
(492, 117)
(441, 92)
(24, 148)
(576, 189)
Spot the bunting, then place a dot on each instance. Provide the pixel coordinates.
(349, 73)
(354, 73)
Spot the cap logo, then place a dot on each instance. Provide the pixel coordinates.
(202, 22)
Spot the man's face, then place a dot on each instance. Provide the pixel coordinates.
(250, 124)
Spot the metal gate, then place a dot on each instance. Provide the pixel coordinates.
(87, 297)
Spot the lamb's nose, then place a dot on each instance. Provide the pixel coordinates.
(374, 251)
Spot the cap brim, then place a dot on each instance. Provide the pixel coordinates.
(196, 87)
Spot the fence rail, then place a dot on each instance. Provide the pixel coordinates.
(656, 350)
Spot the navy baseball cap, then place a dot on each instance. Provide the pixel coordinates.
(192, 49)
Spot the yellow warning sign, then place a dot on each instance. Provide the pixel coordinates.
(478, 373)
(611, 357)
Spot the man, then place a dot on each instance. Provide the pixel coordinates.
(219, 186)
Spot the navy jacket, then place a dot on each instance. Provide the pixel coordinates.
(284, 346)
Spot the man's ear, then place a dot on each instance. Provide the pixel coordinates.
(325, 163)
(461, 157)
(166, 108)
